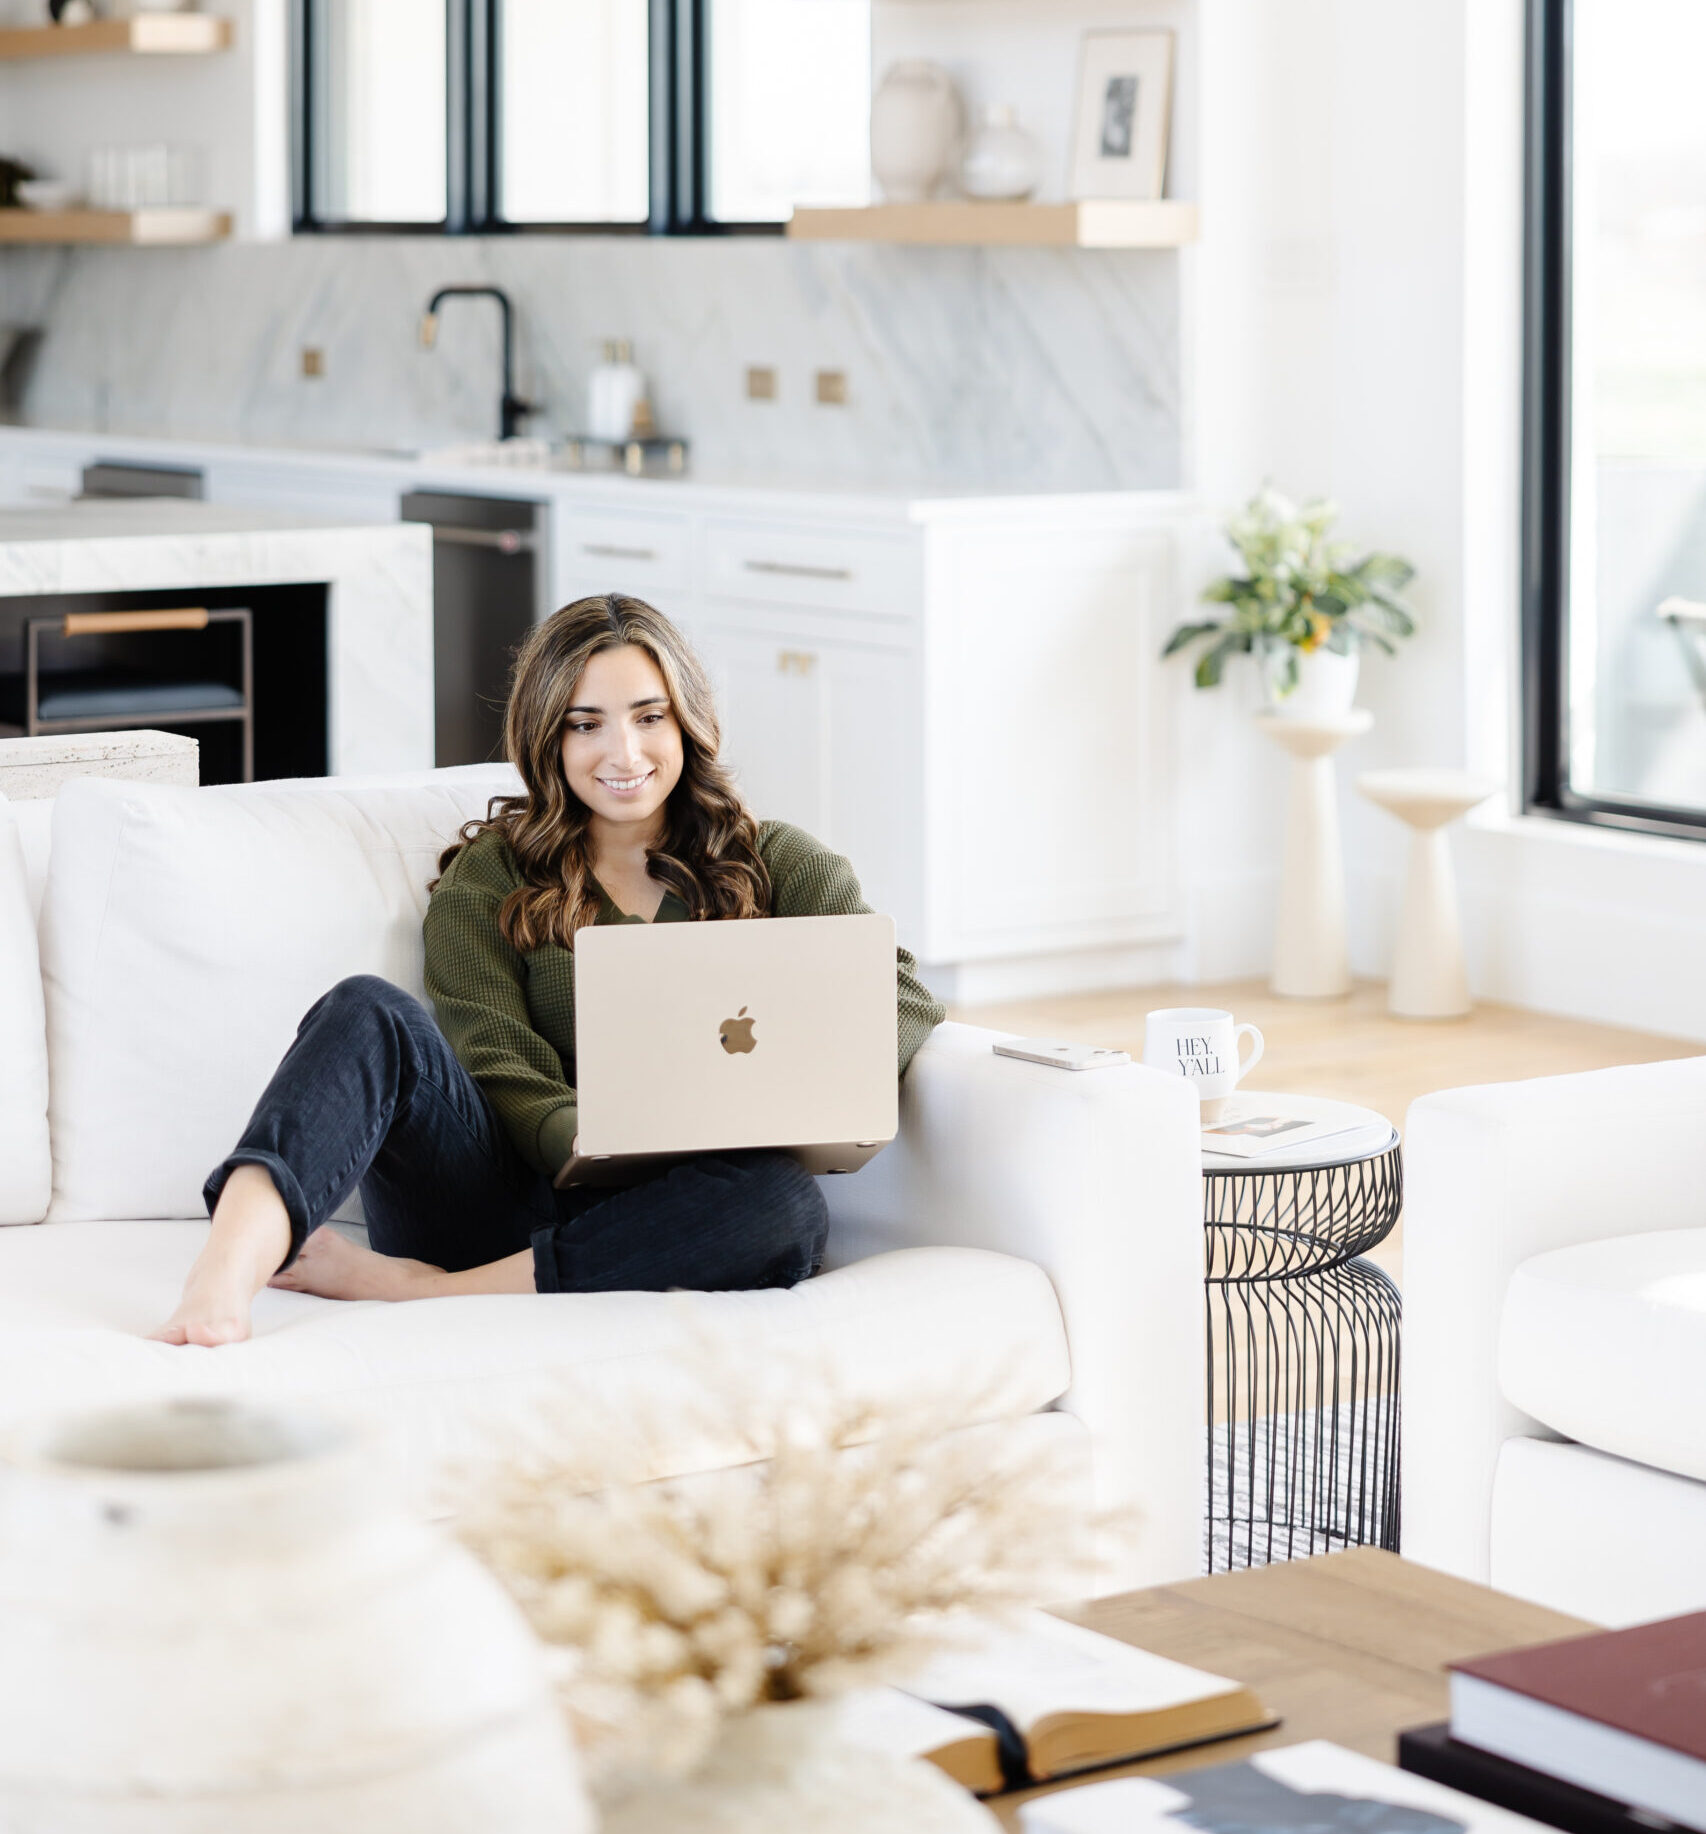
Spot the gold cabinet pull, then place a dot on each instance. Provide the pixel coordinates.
(795, 662)
(798, 570)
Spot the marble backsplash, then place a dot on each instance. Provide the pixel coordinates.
(1029, 369)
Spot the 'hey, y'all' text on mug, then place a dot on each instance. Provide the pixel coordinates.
(1198, 1057)
(1200, 1044)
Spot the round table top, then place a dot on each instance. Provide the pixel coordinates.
(1313, 735)
(1425, 798)
(1357, 1133)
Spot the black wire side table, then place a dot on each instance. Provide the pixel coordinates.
(1303, 1341)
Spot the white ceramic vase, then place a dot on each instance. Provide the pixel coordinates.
(1326, 681)
(218, 1620)
(787, 1768)
(1001, 161)
(916, 123)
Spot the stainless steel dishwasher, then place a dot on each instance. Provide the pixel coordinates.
(484, 585)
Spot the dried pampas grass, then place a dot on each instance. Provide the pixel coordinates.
(837, 1557)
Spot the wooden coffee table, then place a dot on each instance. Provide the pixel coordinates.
(1350, 1647)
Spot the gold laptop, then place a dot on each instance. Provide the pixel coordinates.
(713, 1037)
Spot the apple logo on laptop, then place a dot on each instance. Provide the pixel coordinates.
(736, 1034)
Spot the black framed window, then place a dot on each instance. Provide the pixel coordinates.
(497, 116)
(1614, 539)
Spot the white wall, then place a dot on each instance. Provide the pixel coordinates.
(1352, 320)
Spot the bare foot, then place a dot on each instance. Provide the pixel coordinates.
(214, 1309)
(336, 1268)
(249, 1237)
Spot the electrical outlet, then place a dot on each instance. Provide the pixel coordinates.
(313, 361)
(832, 388)
(760, 383)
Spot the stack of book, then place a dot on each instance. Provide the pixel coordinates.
(1602, 1734)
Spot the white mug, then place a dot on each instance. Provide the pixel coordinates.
(1201, 1043)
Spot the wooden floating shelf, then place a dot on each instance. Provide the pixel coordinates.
(146, 34)
(136, 228)
(1089, 223)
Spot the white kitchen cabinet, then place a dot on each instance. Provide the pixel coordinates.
(836, 570)
(825, 735)
(598, 548)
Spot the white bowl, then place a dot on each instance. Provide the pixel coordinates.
(46, 193)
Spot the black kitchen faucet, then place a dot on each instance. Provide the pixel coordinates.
(511, 407)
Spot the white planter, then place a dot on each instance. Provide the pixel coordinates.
(916, 123)
(779, 1769)
(1326, 681)
(215, 1620)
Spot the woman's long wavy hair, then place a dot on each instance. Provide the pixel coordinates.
(709, 853)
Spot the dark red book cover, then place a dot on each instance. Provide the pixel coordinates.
(1649, 1680)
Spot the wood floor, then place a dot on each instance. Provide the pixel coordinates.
(1351, 1048)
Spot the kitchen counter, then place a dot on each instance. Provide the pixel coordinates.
(382, 468)
(378, 578)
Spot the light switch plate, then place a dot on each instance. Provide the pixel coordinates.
(760, 383)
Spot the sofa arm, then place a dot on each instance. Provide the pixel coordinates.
(1493, 1176)
(1096, 1177)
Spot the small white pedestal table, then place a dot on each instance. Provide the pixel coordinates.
(1428, 976)
(1311, 960)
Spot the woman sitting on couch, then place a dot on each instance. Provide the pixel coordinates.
(455, 1135)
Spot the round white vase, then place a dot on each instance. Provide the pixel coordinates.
(916, 123)
(787, 1767)
(219, 1620)
(1326, 681)
(1001, 161)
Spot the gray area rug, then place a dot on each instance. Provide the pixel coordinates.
(1286, 1486)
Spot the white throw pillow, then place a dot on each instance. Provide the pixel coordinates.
(25, 1164)
(184, 934)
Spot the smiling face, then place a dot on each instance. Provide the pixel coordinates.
(622, 742)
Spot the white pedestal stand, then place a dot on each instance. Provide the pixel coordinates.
(1428, 977)
(1310, 956)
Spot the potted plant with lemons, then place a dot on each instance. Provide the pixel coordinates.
(1302, 603)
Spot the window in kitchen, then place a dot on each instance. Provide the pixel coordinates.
(485, 116)
(788, 106)
(375, 70)
(573, 89)
(1615, 486)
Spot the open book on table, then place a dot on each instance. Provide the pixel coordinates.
(1037, 1697)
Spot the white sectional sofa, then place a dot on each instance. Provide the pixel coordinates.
(1554, 1388)
(1032, 1238)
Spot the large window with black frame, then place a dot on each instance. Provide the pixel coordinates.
(1615, 467)
(491, 116)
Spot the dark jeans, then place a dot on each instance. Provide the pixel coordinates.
(372, 1094)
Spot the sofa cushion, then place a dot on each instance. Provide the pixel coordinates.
(183, 935)
(25, 1165)
(448, 1373)
(1599, 1537)
(1605, 1343)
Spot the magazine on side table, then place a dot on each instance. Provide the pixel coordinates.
(1278, 1130)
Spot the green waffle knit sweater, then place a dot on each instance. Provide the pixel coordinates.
(510, 1015)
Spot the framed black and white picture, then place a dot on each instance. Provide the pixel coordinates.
(1125, 88)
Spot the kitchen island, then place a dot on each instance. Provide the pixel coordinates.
(372, 668)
